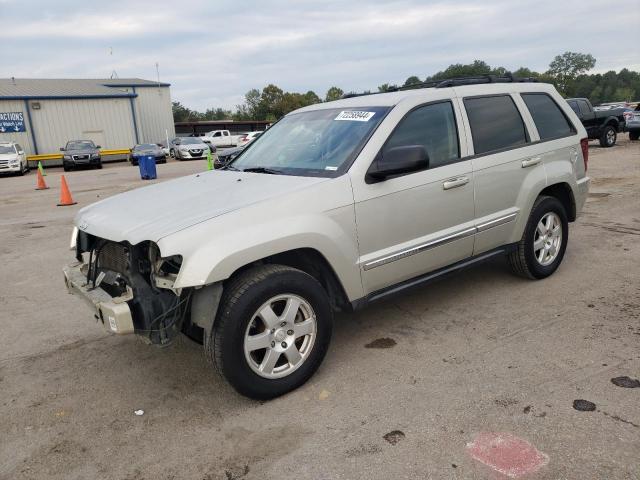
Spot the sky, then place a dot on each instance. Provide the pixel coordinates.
(213, 52)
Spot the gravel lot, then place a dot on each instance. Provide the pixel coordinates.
(406, 386)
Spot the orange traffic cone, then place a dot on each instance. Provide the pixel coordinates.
(41, 183)
(65, 194)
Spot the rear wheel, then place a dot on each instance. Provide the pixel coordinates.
(541, 249)
(633, 135)
(272, 331)
(608, 137)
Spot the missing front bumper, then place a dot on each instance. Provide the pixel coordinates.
(113, 312)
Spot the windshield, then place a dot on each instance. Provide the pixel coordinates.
(190, 141)
(5, 149)
(146, 146)
(80, 146)
(316, 143)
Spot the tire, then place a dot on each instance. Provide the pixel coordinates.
(238, 317)
(172, 153)
(634, 135)
(608, 137)
(66, 167)
(524, 260)
(99, 166)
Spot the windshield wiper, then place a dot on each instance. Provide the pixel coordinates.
(230, 167)
(262, 170)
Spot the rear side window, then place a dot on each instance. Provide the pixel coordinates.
(495, 123)
(434, 127)
(549, 119)
(574, 107)
(584, 107)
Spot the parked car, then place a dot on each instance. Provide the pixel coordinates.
(13, 158)
(223, 157)
(603, 125)
(248, 137)
(633, 123)
(81, 153)
(147, 149)
(338, 205)
(220, 138)
(190, 148)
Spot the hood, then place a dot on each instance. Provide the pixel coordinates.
(155, 211)
(151, 151)
(199, 146)
(8, 156)
(87, 151)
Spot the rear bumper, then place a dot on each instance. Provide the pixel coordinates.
(582, 193)
(113, 312)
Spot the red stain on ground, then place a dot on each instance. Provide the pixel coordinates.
(506, 453)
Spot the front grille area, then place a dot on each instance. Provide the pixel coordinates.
(4, 163)
(81, 157)
(195, 153)
(113, 256)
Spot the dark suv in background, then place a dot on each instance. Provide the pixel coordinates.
(81, 153)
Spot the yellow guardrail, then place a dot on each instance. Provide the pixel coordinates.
(58, 156)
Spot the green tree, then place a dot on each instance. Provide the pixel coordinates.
(412, 80)
(566, 67)
(385, 87)
(478, 67)
(334, 93)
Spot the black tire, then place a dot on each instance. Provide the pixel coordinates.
(242, 297)
(66, 167)
(608, 137)
(634, 135)
(522, 260)
(99, 166)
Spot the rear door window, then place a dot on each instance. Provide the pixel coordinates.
(495, 123)
(549, 119)
(584, 106)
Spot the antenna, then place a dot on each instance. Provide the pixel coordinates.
(114, 74)
(158, 77)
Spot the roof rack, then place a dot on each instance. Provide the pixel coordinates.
(453, 82)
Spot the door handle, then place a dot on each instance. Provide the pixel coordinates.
(531, 162)
(455, 182)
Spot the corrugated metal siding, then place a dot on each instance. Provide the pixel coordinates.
(23, 138)
(58, 121)
(154, 114)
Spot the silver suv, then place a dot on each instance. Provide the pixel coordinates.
(336, 206)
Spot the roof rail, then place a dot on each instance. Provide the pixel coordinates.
(453, 82)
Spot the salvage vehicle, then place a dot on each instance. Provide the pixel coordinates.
(633, 123)
(13, 159)
(336, 206)
(602, 125)
(190, 148)
(221, 138)
(81, 153)
(147, 149)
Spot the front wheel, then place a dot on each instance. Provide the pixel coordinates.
(608, 137)
(540, 251)
(272, 330)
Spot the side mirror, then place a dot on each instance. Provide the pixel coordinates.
(20, 152)
(62, 149)
(398, 160)
(98, 146)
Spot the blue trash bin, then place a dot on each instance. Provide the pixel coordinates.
(147, 165)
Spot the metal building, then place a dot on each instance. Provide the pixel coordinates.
(43, 114)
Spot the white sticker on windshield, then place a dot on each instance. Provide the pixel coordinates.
(333, 169)
(355, 116)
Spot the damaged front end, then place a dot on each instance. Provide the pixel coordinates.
(129, 286)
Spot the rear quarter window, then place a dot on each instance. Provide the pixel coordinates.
(550, 120)
(495, 123)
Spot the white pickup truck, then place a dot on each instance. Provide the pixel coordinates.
(221, 138)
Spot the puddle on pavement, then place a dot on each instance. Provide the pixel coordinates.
(394, 436)
(626, 382)
(584, 405)
(381, 343)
